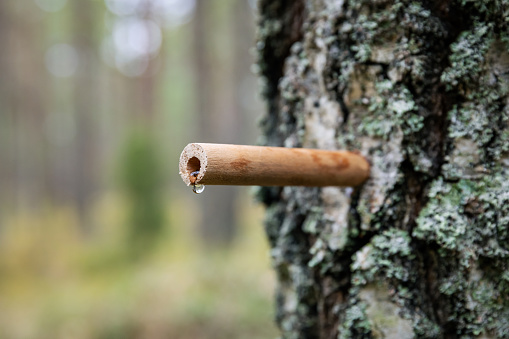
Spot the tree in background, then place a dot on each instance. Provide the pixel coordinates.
(23, 110)
(78, 74)
(142, 175)
(220, 73)
(86, 107)
(421, 89)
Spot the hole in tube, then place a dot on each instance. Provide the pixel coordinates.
(193, 165)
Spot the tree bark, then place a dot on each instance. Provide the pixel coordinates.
(421, 88)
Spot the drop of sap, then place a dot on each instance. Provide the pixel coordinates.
(198, 188)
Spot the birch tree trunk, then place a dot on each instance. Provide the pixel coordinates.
(421, 88)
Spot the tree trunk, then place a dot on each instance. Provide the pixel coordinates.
(86, 106)
(23, 107)
(217, 117)
(421, 89)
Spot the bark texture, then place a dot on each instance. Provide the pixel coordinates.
(421, 88)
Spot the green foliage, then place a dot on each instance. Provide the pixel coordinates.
(68, 288)
(141, 177)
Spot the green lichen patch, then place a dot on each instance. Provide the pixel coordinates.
(440, 221)
(476, 298)
(468, 53)
(483, 117)
(312, 223)
(496, 11)
(393, 109)
(356, 323)
(468, 216)
(388, 254)
(390, 257)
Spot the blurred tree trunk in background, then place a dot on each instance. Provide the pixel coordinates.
(421, 89)
(217, 70)
(141, 167)
(74, 87)
(5, 118)
(24, 102)
(86, 102)
(145, 86)
(244, 93)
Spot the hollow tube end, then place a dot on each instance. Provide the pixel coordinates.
(192, 164)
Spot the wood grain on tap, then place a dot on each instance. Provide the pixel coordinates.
(219, 164)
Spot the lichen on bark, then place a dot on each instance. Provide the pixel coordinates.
(421, 88)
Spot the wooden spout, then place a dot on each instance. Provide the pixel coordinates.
(217, 164)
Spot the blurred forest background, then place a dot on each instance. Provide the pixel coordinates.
(99, 237)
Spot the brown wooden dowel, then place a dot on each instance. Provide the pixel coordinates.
(217, 164)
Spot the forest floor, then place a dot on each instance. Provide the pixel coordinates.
(55, 284)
